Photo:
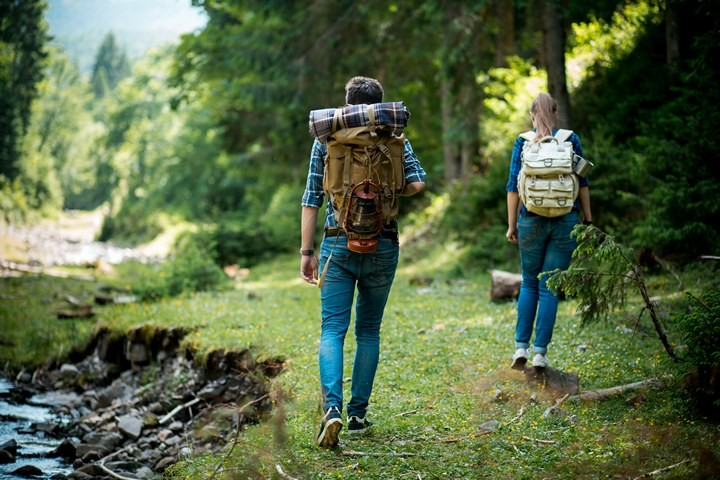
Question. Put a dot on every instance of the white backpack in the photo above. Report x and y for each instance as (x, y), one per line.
(547, 184)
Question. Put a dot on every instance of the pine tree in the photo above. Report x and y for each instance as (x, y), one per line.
(111, 66)
(22, 51)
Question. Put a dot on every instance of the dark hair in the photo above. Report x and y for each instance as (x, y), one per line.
(544, 109)
(363, 90)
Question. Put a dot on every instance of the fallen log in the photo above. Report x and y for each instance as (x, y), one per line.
(605, 393)
(504, 285)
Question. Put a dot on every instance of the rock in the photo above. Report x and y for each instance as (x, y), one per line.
(92, 470)
(490, 425)
(27, 471)
(58, 476)
(164, 462)
(6, 457)
(499, 396)
(130, 425)
(211, 391)
(65, 450)
(113, 392)
(551, 412)
(78, 475)
(10, 446)
(68, 370)
(83, 449)
(144, 473)
(164, 434)
(109, 440)
(174, 440)
(90, 457)
(175, 426)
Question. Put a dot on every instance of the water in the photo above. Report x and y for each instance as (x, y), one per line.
(15, 421)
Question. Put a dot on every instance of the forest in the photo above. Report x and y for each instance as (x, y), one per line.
(213, 131)
(206, 141)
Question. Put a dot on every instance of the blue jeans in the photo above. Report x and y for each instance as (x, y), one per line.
(545, 244)
(372, 274)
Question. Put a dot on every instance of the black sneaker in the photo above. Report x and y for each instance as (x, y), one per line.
(358, 425)
(330, 428)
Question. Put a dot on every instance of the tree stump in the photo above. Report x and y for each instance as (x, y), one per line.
(553, 379)
(505, 285)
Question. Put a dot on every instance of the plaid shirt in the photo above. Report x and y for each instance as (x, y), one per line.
(516, 165)
(391, 114)
(314, 193)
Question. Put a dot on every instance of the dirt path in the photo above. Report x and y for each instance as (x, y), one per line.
(67, 240)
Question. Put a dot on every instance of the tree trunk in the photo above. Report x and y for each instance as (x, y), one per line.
(505, 43)
(450, 143)
(672, 37)
(554, 59)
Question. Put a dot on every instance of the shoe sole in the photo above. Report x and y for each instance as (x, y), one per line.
(359, 431)
(519, 363)
(329, 435)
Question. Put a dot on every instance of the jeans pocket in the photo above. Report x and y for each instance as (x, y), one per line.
(382, 267)
(529, 235)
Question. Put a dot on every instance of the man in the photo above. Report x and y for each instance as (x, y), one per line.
(371, 274)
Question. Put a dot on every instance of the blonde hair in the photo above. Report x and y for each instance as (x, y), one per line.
(544, 110)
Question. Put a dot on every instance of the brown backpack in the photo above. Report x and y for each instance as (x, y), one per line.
(363, 179)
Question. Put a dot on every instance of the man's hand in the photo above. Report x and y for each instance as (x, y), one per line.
(309, 269)
(512, 234)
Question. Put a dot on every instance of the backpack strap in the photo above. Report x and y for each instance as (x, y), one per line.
(562, 135)
(337, 122)
(529, 135)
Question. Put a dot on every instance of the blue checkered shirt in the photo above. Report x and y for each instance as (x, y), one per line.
(516, 165)
(314, 194)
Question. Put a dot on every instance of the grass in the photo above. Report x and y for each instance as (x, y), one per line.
(445, 352)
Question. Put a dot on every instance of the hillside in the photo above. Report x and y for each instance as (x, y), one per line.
(80, 25)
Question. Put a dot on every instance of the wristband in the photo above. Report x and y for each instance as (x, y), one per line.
(587, 222)
(307, 253)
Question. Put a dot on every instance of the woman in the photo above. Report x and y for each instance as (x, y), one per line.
(545, 244)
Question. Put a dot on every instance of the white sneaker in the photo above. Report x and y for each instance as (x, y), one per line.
(540, 361)
(519, 359)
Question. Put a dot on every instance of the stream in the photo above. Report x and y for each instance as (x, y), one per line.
(17, 423)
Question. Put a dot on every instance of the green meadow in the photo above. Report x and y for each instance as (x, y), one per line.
(444, 373)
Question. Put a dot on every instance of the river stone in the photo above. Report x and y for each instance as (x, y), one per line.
(10, 446)
(131, 425)
(163, 463)
(113, 392)
(68, 370)
(109, 440)
(83, 449)
(66, 450)
(6, 457)
(27, 471)
(92, 470)
(78, 475)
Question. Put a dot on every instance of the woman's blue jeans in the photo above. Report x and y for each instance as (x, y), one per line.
(545, 244)
(372, 274)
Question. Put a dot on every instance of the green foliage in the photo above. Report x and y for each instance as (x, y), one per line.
(267, 227)
(23, 34)
(111, 66)
(192, 269)
(599, 275)
(14, 208)
(700, 328)
(650, 134)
